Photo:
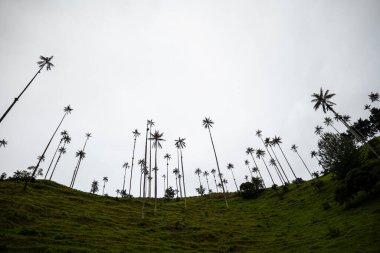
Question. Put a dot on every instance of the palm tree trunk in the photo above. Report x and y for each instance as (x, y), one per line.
(200, 184)
(233, 175)
(278, 161)
(155, 181)
(59, 157)
(141, 175)
(287, 161)
(180, 187)
(16, 99)
(262, 179)
(43, 154)
(267, 170)
(217, 164)
(275, 165)
(183, 178)
(78, 165)
(208, 186)
(143, 201)
(167, 174)
(133, 159)
(104, 186)
(55, 153)
(150, 165)
(304, 163)
(164, 186)
(125, 173)
(176, 183)
(216, 185)
(250, 172)
(335, 129)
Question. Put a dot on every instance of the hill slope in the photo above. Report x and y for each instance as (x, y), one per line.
(53, 218)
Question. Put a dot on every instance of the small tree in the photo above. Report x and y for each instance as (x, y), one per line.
(169, 193)
(94, 187)
(201, 190)
(251, 189)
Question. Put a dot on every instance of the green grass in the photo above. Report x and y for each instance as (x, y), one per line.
(53, 218)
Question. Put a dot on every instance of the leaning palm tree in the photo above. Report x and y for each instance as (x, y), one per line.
(213, 171)
(167, 157)
(67, 110)
(44, 61)
(294, 148)
(250, 151)
(62, 150)
(230, 167)
(180, 145)
(269, 143)
(313, 153)
(260, 154)
(206, 174)
(176, 172)
(323, 99)
(198, 172)
(318, 130)
(374, 97)
(105, 180)
(273, 163)
(246, 162)
(3, 143)
(63, 134)
(157, 138)
(151, 124)
(329, 122)
(135, 135)
(125, 167)
(81, 156)
(207, 123)
(277, 141)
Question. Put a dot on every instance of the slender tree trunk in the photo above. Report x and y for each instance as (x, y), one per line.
(335, 129)
(79, 162)
(19, 96)
(164, 186)
(183, 178)
(278, 161)
(104, 186)
(155, 181)
(141, 175)
(55, 153)
(233, 176)
(150, 164)
(268, 170)
(43, 154)
(208, 186)
(59, 157)
(217, 164)
(133, 159)
(167, 174)
(176, 183)
(200, 184)
(125, 173)
(304, 164)
(262, 179)
(250, 171)
(216, 185)
(287, 161)
(180, 187)
(144, 193)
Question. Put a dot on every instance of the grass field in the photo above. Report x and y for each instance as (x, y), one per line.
(53, 218)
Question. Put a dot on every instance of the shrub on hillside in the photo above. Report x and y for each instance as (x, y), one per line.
(169, 193)
(251, 189)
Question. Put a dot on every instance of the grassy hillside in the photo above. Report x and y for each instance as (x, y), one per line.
(53, 218)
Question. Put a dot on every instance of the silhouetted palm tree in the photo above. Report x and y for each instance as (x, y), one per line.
(145, 167)
(94, 187)
(105, 180)
(66, 110)
(198, 172)
(250, 151)
(3, 143)
(247, 163)
(207, 123)
(294, 148)
(374, 97)
(206, 174)
(176, 172)
(167, 157)
(230, 167)
(151, 123)
(63, 134)
(277, 141)
(318, 130)
(180, 145)
(62, 150)
(269, 143)
(367, 107)
(135, 135)
(44, 61)
(157, 138)
(213, 171)
(81, 156)
(260, 154)
(328, 122)
(125, 166)
(313, 153)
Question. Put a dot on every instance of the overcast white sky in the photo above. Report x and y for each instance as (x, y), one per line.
(247, 64)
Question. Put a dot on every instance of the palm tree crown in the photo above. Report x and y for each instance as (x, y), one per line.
(249, 151)
(81, 154)
(374, 96)
(313, 153)
(207, 122)
(230, 166)
(167, 156)
(180, 143)
(157, 137)
(323, 99)
(3, 142)
(136, 133)
(294, 148)
(198, 171)
(45, 61)
(318, 130)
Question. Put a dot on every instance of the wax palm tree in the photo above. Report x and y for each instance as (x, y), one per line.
(269, 143)
(230, 167)
(251, 151)
(246, 162)
(206, 174)
(81, 156)
(141, 162)
(176, 172)
(67, 110)
(63, 134)
(260, 154)
(125, 167)
(135, 135)
(294, 148)
(367, 107)
(374, 97)
(164, 177)
(318, 130)
(62, 151)
(323, 99)
(180, 145)
(277, 141)
(313, 153)
(207, 123)
(94, 187)
(157, 138)
(145, 166)
(198, 172)
(44, 61)
(328, 122)
(105, 180)
(151, 124)
(3, 143)
(213, 171)
(167, 157)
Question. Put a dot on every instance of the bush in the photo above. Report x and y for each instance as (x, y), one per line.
(169, 193)
(201, 190)
(285, 187)
(251, 189)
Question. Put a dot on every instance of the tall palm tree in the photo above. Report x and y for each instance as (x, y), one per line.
(213, 171)
(294, 148)
(135, 135)
(145, 167)
(81, 156)
(141, 162)
(230, 167)
(313, 153)
(329, 122)
(157, 138)
(176, 172)
(260, 154)
(318, 130)
(151, 124)
(250, 151)
(62, 150)
(198, 172)
(323, 99)
(206, 174)
(273, 163)
(207, 123)
(374, 97)
(167, 157)
(247, 163)
(105, 180)
(277, 141)
(3, 143)
(125, 167)
(63, 134)
(44, 61)
(180, 145)
(269, 143)
(67, 110)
